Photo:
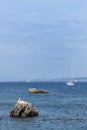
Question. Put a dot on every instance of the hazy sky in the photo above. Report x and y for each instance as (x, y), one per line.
(42, 39)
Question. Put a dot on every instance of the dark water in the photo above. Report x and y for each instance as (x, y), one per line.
(63, 108)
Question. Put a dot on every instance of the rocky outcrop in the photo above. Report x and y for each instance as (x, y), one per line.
(34, 90)
(23, 109)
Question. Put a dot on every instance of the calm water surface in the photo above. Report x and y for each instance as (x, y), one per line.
(63, 108)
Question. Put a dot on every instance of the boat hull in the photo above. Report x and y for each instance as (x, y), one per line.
(70, 83)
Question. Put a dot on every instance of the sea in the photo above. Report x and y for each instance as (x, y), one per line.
(63, 108)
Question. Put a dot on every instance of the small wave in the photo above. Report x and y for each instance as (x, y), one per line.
(2, 117)
(71, 119)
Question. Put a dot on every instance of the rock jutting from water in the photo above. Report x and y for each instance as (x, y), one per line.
(34, 90)
(24, 109)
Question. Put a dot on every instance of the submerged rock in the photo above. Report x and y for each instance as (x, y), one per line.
(34, 90)
(24, 109)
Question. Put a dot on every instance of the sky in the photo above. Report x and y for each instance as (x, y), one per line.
(42, 39)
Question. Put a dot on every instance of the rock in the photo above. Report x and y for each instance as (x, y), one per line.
(24, 109)
(34, 90)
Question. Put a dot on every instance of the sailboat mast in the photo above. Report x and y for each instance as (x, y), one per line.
(72, 73)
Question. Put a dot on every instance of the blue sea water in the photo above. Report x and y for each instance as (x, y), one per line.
(63, 108)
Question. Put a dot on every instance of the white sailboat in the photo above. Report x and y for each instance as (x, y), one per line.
(71, 82)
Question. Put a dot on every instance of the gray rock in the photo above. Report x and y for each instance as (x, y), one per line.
(34, 90)
(23, 109)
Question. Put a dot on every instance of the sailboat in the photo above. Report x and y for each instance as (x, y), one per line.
(70, 82)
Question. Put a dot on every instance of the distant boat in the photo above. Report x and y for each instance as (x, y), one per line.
(71, 82)
(28, 81)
